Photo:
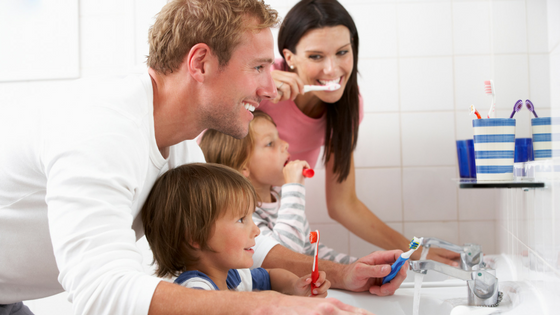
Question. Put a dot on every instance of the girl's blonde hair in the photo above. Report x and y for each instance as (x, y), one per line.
(182, 208)
(227, 150)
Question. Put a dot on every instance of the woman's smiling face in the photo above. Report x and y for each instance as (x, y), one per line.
(323, 56)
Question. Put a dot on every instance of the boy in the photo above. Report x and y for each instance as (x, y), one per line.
(198, 221)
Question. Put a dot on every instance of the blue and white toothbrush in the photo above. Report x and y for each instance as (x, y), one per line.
(396, 267)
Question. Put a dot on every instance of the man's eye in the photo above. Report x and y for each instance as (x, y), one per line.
(259, 68)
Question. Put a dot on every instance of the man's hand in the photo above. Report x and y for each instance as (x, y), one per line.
(366, 274)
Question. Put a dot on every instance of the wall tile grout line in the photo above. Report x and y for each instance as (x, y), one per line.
(544, 261)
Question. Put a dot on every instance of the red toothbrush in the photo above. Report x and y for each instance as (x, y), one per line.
(314, 239)
(308, 172)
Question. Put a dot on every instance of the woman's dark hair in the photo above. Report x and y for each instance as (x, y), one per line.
(341, 134)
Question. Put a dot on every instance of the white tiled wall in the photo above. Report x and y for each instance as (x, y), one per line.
(528, 221)
(422, 63)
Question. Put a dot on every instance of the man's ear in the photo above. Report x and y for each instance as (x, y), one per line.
(200, 61)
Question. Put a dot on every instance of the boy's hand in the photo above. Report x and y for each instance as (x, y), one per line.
(303, 286)
(293, 172)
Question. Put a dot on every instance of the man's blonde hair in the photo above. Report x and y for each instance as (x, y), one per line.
(181, 24)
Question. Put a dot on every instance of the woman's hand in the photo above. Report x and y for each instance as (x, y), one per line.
(302, 286)
(444, 256)
(293, 172)
(289, 85)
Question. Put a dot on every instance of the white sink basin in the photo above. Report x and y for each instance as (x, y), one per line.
(449, 297)
(398, 304)
(445, 300)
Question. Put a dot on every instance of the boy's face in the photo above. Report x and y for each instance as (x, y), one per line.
(270, 154)
(232, 241)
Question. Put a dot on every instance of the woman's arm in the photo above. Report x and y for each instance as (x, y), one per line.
(345, 207)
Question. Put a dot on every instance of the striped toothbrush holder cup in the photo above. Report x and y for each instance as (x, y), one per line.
(494, 148)
(546, 137)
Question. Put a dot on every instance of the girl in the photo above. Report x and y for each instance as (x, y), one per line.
(263, 158)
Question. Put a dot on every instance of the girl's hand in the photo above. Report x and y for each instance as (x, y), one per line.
(289, 85)
(303, 286)
(293, 172)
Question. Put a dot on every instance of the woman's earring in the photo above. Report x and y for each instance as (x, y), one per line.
(292, 67)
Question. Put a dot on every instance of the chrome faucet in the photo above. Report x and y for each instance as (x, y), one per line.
(471, 254)
(482, 284)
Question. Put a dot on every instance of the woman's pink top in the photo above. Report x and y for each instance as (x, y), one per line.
(304, 134)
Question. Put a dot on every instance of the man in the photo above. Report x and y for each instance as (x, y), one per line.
(77, 168)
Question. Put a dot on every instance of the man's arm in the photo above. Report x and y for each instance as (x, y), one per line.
(366, 274)
(170, 299)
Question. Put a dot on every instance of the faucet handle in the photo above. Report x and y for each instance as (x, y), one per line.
(471, 257)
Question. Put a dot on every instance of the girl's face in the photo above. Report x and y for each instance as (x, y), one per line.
(322, 56)
(269, 155)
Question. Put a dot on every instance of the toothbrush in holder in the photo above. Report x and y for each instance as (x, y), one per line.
(474, 111)
(530, 107)
(314, 238)
(517, 107)
(396, 267)
(491, 90)
(327, 87)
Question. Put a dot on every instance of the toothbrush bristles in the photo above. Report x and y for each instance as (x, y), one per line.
(488, 87)
(415, 242)
(313, 237)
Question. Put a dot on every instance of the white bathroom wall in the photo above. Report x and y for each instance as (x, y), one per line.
(422, 63)
(528, 221)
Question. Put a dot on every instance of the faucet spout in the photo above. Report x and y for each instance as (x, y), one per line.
(422, 266)
(483, 286)
(471, 254)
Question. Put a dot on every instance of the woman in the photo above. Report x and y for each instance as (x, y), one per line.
(319, 42)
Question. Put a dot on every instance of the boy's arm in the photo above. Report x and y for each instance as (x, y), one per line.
(173, 299)
(283, 281)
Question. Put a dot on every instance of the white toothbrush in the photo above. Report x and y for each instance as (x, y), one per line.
(327, 87)
(491, 90)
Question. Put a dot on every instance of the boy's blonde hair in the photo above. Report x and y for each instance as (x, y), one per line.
(183, 206)
(227, 150)
(181, 24)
